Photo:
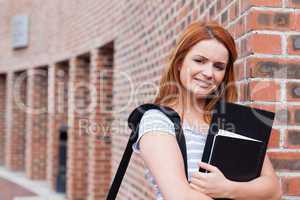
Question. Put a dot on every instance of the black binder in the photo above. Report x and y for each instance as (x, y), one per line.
(239, 158)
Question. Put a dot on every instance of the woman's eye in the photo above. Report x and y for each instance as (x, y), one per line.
(219, 67)
(199, 61)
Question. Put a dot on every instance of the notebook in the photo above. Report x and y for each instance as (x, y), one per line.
(231, 148)
(237, 140)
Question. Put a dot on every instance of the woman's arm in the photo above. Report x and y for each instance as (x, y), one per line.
(265, 187)
(162, 156)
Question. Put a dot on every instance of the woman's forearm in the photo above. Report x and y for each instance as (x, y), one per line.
(261, 188)
(192, 194)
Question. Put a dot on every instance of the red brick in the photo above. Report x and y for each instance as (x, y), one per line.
(273, 68)
(219, 5)
(297, 21)
(240, 27)
(246, 4)
(234, 11)
(274, 140)
(260, 91)
(195, 15)
(285, 161)
(293, 91)
(239, 71)
(182, 13)
(264, 43)
(291, 186)
(294, 44)
(292, 139)
(293, 3)
(294, 111)
(270, 20)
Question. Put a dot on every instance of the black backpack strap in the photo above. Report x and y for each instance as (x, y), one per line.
(133, 123)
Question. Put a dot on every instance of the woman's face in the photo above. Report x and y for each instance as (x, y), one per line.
(204, 67)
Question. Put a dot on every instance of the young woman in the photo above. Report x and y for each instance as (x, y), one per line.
(199, 73)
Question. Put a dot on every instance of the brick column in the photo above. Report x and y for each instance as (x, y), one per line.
(51, 139)
(8, 118)
(100, 123)
(36, 123)
(267, 73)
(2, 117)
(58, 115)
(269, 37)
(15, 121)
(78, 101)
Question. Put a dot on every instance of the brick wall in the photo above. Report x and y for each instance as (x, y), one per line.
(36, 123)
(15, 121)
(78, 101)
(57, 115)
(100, 122)
(133, 38)
(2, 118)
(270, 70)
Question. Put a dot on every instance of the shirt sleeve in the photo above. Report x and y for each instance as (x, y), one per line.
(153, 121)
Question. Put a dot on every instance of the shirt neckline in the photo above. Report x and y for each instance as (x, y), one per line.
(186, 125)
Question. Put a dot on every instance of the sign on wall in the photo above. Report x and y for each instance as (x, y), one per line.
(20, 31)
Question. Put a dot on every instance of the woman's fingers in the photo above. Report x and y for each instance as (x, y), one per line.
(195, 187)
(199, 175)
(208, 167)
(197, 182)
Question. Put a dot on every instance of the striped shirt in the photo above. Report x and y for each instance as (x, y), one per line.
(155, 120)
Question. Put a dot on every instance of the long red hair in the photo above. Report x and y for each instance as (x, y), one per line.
(169, 92)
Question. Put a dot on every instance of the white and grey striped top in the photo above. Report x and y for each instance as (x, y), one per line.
(155, 120)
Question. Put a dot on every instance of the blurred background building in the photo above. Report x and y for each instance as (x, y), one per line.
(59, 133)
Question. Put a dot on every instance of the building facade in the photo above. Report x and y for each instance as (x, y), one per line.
(71, 72)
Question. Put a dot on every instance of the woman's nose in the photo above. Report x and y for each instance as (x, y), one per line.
(208, 72)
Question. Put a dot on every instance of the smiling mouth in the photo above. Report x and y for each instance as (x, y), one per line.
(203, 83)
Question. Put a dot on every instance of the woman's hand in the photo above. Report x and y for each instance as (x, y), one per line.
(213, 184)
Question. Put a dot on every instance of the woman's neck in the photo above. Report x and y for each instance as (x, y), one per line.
(193, 105)
(193, 108)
